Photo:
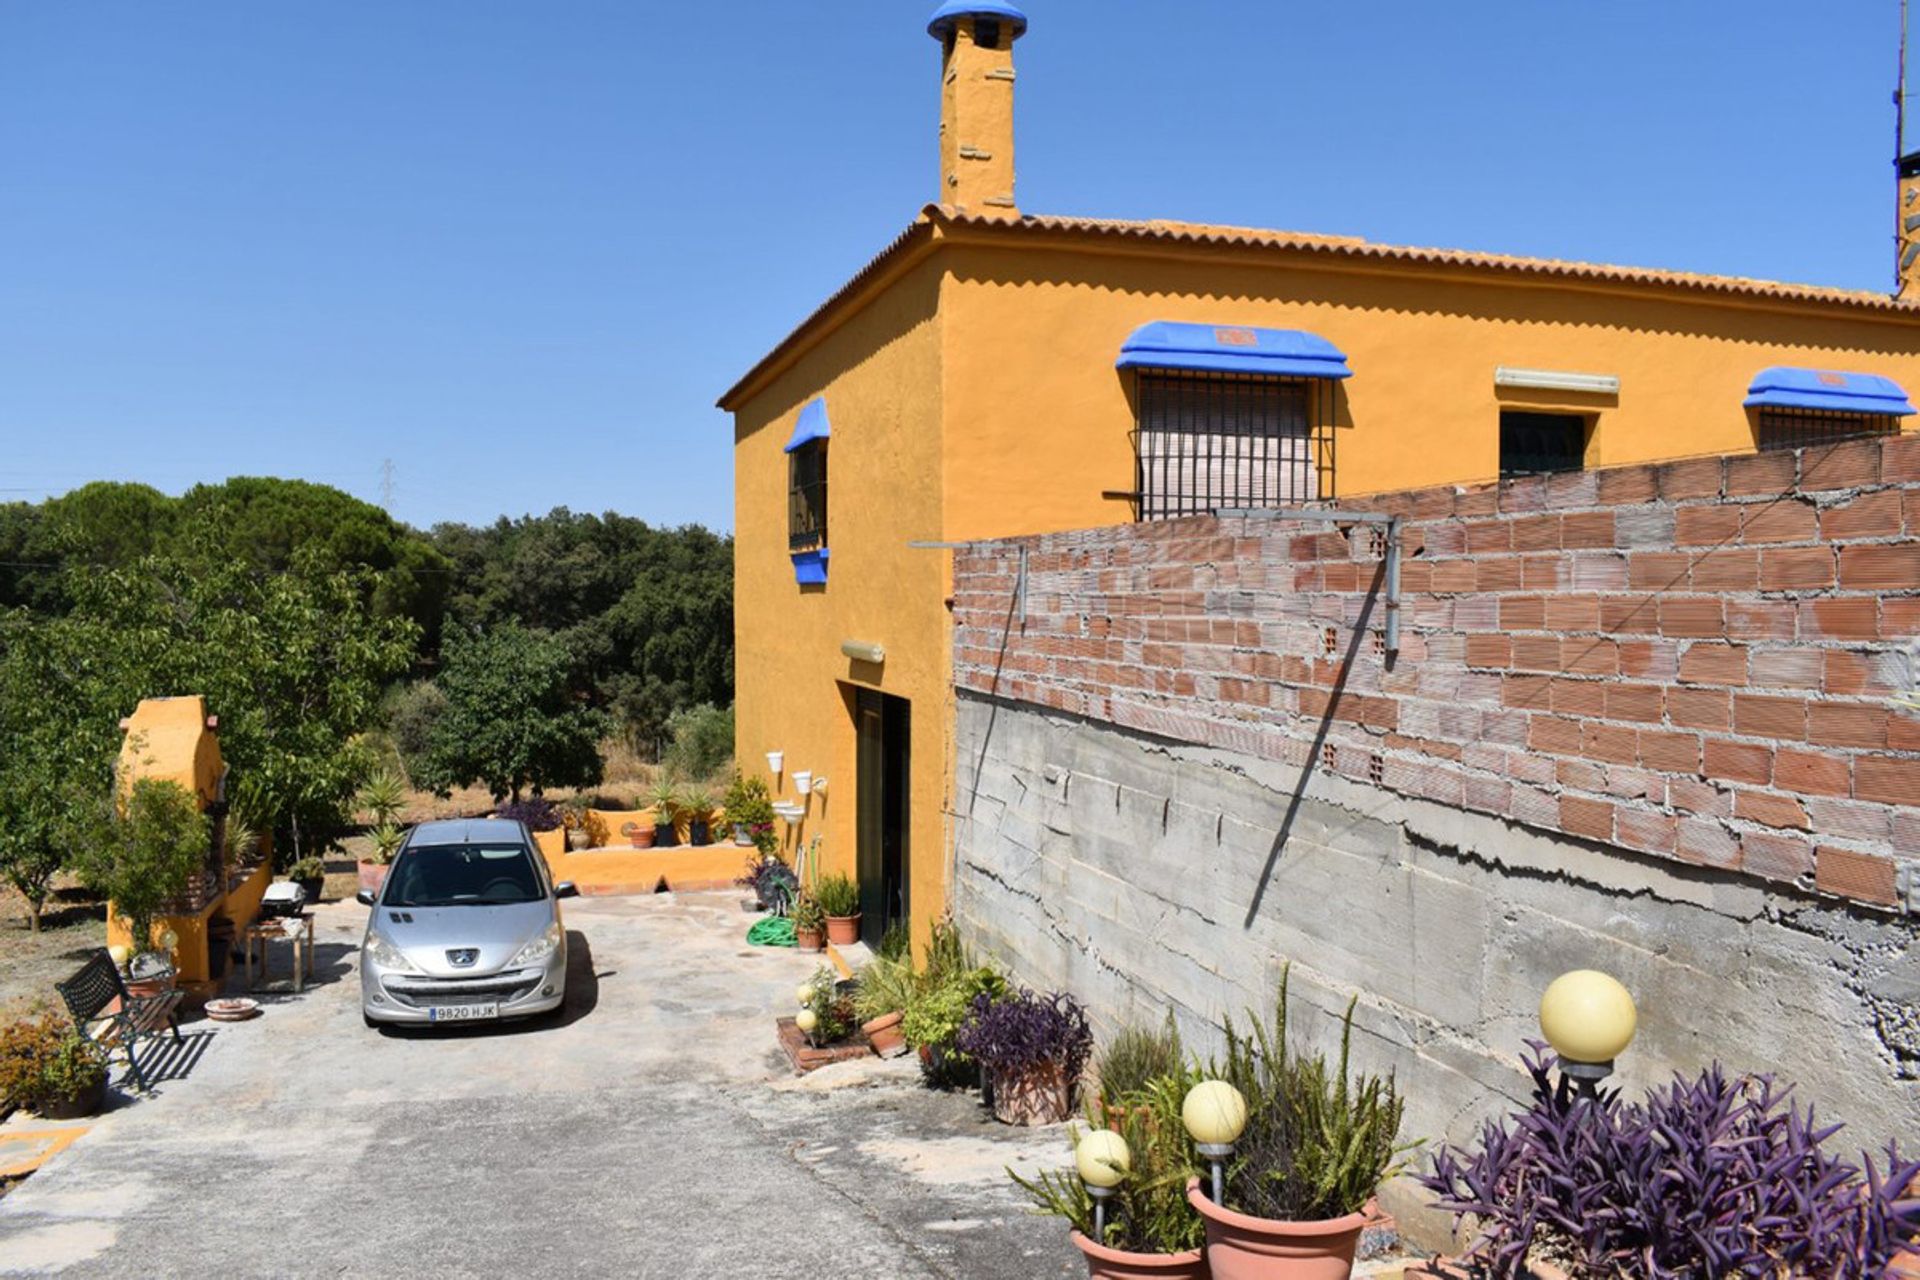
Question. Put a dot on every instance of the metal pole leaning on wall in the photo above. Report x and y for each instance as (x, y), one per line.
(1019, 582)
(1392, 524)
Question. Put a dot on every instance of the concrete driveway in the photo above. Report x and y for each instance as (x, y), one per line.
(650, 1129)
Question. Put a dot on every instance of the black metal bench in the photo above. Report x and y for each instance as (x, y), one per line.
(104, 1012)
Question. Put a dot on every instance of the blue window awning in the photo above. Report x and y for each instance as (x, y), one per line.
(810, 567)
(1210, 348)
(1785, 387)
(812, 424)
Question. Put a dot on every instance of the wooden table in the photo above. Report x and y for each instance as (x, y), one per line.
(295, 929)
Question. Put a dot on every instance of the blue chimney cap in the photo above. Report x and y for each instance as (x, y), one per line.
(945, 16)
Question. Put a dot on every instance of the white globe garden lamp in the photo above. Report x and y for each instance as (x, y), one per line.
(1589, 1019)
(1215, 1115)
(1103, 1162)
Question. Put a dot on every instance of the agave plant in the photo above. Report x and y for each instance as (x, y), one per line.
(1710, 1176)
(386, 840)
(382, 796)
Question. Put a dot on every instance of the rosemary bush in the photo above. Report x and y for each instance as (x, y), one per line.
(1136, 1056)
(1318, 1141)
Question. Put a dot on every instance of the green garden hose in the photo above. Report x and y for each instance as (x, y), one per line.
(771, 931)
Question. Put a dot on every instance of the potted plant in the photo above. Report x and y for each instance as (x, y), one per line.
(49, 1068)
(310, 873)
(382, 796)
(939, 1004)
(143, 855)
(639, 835)
(1713, 1175)
(1031, 1049)
(750, 810)
(839, 897)
(1317, 1144)
(809, 924)
(1131, 1061)
(382, 843)
(772, 881)
(832, 1017)
(880, 1002)
(665, 797)
(1151, 1231)
(698, 804)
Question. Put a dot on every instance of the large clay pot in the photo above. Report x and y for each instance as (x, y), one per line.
(1243, 1247)
(641, 837)
(884, 1034)
(1117, 1264)
(810, 939)
(372, 875)
(1042, 1095)
(843, 930)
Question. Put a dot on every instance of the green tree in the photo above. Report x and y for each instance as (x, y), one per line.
(145, 850)
(510, 720)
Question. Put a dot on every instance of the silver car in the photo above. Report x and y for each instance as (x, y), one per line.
(465, 928)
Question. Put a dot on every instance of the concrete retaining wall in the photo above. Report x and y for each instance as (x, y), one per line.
(1143, 873)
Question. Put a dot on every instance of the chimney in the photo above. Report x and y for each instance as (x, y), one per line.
(976, 104)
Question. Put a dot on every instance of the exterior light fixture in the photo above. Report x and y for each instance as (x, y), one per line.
(1602, 384)
(169, 940)
(119, 953)
(776, 760)
(1103, 1161)
(1589, 1019)
(864, 651)
(806, 1021)
(819, 784)
(804, 994)
(1215, 1114)
(802, 781)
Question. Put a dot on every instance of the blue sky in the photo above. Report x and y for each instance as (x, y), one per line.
(518, 248)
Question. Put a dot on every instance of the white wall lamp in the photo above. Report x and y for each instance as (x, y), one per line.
(1599, 384)
(863, 651)
(820, 786)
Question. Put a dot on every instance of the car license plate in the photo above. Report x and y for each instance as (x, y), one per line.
(462, 1012)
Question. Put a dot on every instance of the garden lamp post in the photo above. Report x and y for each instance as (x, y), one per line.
(1589, 1019)
(1215, 1114)
(1104, 1162)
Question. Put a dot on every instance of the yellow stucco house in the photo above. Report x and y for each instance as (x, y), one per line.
(994, 373)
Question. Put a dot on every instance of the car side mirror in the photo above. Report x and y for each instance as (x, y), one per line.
(364, 897)
(566, 889)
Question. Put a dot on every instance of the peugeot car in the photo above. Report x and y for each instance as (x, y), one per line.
(466, 928)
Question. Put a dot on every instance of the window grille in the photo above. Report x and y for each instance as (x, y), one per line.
(807, 496)
(1209, 441)
(1796, 428)
(1531, 443)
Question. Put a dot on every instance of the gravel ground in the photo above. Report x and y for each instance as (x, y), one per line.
(650, 1129)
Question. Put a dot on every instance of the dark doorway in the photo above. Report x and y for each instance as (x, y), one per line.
(885, 725)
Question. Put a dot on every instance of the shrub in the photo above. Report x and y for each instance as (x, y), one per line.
(1136, 1056)
(886, 986)
(702, 740)
(145, 854)
(539, 813)
(1148, 1212)
(310, 867)
(412, 711)
(938, 1008)
(43, 1059)
(749, 805)
(1318, 1142)
(897, 944)
(833, 1012)
(1709, 1176)
(838, 895)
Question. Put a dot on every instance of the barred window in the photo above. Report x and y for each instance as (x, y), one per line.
(1531, 443)
(1783, 428)
(807, 496)
(1208, 441)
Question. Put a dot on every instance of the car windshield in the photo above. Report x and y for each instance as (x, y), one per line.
(461, 875)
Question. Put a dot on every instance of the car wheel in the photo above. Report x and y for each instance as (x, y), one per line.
(368, 1019)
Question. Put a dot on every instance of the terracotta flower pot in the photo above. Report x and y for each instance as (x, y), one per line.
(372, 875)
(1117, 1264)
(1041, 1095)
(843, 930)
(1243, 1247)
(641, 838)
(810, 939)
(885, 1035)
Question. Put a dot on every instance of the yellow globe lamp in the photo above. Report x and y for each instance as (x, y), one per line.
(806, 1021)
(804, 993)
(1587, 1016)
(1214, 1113)
(169, 940)
(118, 953)
(1103, 1159)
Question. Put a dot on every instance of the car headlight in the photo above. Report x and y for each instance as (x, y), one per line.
(539, 947)
(383, 952)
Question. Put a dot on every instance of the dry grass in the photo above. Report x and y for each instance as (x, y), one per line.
(74, 923)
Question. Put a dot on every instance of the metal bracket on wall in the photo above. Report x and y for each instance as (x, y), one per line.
(1392, 524)
(1020, 579)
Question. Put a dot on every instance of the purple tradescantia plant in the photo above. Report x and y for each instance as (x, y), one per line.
(1017, 1032)
(1709, 1177)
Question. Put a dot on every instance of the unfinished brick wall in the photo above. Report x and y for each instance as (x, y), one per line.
(1695, 660)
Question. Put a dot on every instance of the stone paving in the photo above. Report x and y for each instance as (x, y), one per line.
(651, 1129)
